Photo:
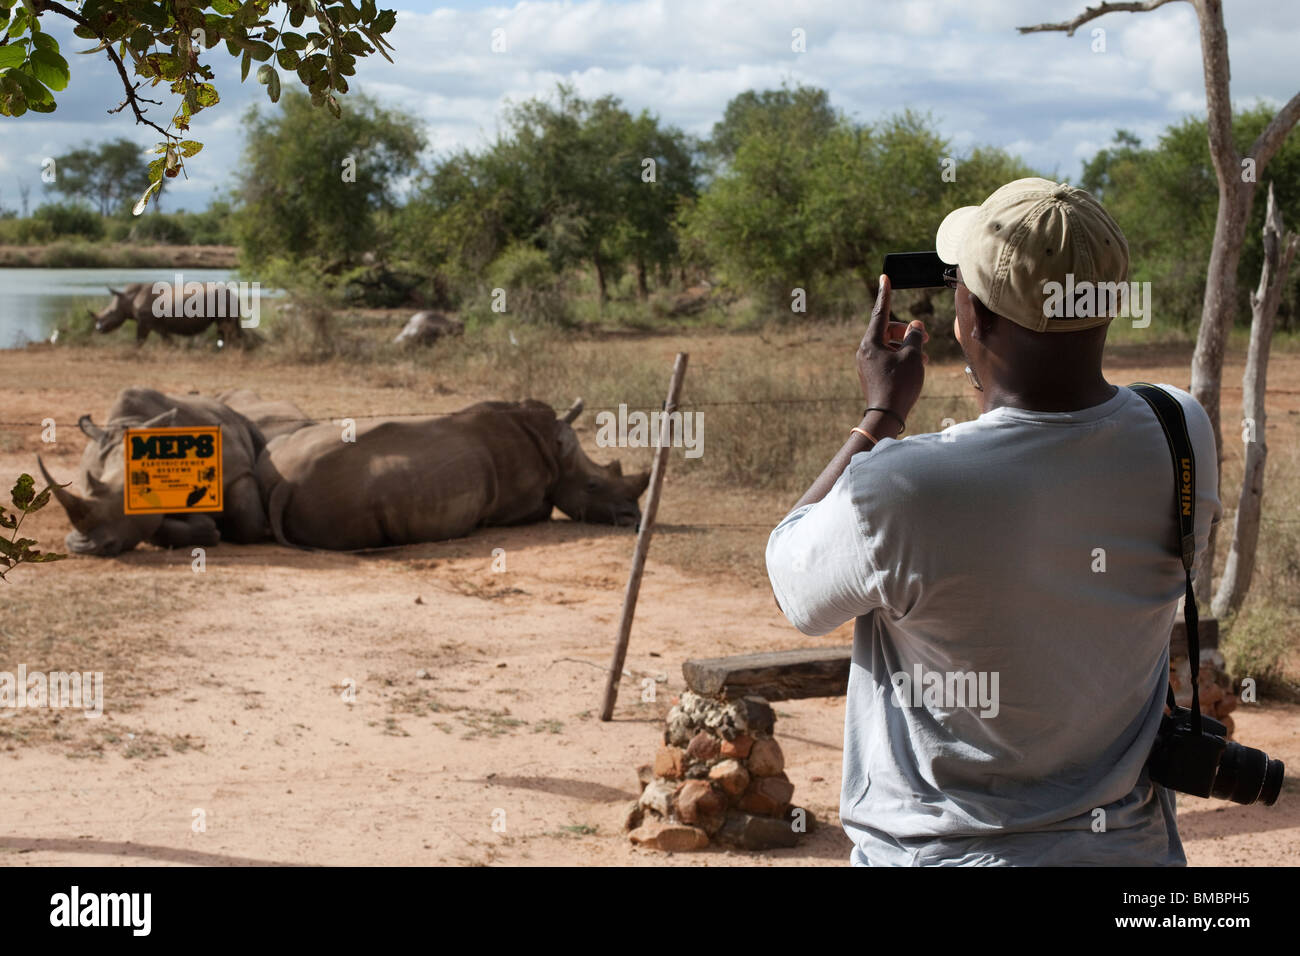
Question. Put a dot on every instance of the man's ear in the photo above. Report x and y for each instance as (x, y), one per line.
(985, 321)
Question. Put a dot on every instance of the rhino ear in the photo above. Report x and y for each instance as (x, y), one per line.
(574, 411)
(616, 467)
(638, 484)
(113, 292)
(90, 429)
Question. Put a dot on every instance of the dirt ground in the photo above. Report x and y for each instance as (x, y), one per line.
(227, 737)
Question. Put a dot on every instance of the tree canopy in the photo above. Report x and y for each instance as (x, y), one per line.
(318, 190)
(168, 42)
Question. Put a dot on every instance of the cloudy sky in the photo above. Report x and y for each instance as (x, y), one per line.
(1049, 98)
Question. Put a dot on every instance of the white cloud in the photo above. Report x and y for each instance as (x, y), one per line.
(1045, 96)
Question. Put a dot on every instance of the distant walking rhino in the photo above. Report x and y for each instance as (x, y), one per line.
(429, 479)
(168, 313)
(103, 528)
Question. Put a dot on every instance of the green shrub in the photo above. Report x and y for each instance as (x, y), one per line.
(165, 229)
(533, 292)
(69, 219)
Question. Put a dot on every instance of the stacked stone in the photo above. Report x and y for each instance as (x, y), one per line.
(1214, 685)
(719, 776)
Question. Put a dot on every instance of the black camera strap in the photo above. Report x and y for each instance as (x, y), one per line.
(1169, 412)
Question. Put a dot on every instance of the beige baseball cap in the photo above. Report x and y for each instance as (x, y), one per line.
(1029, 234)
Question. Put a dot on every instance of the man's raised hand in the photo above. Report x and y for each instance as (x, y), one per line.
(891, 359)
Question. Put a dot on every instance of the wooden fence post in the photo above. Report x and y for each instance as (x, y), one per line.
(643, 540)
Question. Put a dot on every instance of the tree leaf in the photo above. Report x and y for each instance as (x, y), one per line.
(50, 68)
(143, 201)
(11, 55)
(206, 94)
(267, 74)
(44, 41)
(39, 502)
(24, 490)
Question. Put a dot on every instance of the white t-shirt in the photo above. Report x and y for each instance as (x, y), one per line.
(1014, 584)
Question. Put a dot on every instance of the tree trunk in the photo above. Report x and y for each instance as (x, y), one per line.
(1236, 193)
(600, 280)
(1240, 566)
(642, 290)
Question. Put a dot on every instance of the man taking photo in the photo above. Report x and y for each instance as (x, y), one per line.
(1010, 578)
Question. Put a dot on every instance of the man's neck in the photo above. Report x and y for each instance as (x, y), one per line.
(1053, 398)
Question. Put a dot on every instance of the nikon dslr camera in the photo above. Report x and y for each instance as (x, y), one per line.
(1206, 764)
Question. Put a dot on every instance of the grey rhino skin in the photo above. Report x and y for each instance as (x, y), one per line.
(272, 417)
(103, 528)
(425, 328)
(220, 305)
(430, 479)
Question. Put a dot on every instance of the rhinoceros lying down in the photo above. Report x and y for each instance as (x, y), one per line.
(429, 479)
(273, 418)
(102, 528)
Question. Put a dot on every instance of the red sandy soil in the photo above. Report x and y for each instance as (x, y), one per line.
(225, 689)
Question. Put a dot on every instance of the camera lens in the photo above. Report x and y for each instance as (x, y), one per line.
(1246, 775)
(1272, 788)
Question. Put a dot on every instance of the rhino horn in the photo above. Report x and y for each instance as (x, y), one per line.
(574, 411)
(79, 510)
(638, 484)
(90, 429)
(616, 467)
(112, 291)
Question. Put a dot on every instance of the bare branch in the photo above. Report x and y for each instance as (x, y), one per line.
(1275, 132)
(1092, 13)
(131, 98)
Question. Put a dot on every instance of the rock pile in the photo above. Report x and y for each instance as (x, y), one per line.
(1215, 686)
(720, 777)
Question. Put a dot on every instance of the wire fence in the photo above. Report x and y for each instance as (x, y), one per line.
(658, 404)
(847, 399)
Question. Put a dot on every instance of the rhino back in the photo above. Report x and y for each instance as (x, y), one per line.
(272, 417)
(400, 482)
(158, 305)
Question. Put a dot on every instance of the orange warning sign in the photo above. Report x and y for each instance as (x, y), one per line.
(170, 470)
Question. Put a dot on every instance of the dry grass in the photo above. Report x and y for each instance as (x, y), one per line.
(774, 404)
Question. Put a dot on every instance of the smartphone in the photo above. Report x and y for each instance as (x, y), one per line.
(914, 270)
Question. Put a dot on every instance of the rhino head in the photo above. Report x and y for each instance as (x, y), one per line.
(586, 491)
(101, 526)
(117, 312)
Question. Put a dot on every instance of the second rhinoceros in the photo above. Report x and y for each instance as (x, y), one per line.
(404, 481)
(172, 309)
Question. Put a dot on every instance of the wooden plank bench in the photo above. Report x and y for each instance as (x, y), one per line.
(824, 671)
(776, 675)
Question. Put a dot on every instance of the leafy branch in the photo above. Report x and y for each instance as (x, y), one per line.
(163, 40)
(15, 550)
